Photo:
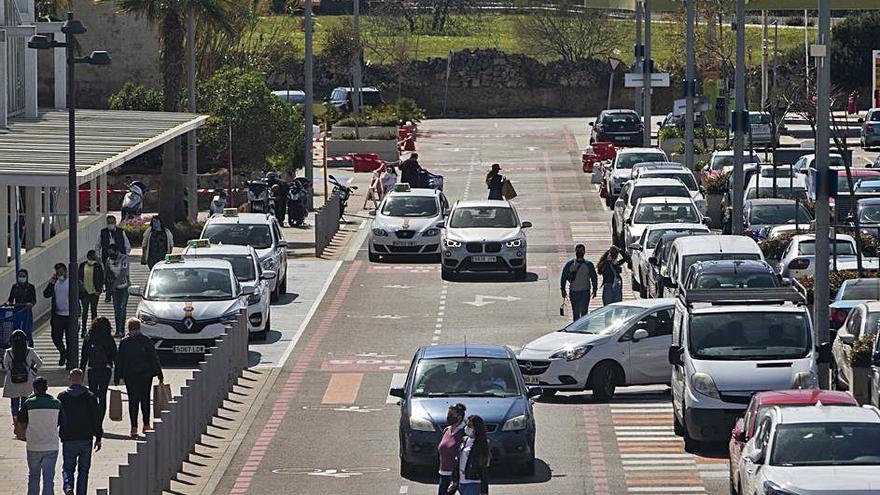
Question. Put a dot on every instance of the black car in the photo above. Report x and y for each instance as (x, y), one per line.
(621, 127)
(343, 98)
(672, 120)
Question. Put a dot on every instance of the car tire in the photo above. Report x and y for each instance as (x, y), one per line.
(374, 258)
(520, 274)
(447, 274)
(406, 469)
(528, 469)
(282, 288)
(602, 381)
(548, 393)
(677, 427)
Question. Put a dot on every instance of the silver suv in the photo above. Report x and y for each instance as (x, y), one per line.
(869, 136)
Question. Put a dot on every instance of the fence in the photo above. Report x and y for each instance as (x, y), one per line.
(159, 458)
(326, 223)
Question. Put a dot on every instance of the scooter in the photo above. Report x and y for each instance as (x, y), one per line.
(218, 202)
(297, 201)
(258, 196)
(133, 202)
(345, 193)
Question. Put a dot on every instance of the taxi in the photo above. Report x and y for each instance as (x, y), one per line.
(407, 222)
(258, 230)
(187, 303)
(246, 267)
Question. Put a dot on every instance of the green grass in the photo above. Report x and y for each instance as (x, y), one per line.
(498, 33)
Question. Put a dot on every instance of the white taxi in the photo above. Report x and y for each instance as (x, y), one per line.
(246, 267)
(258, 230)
(407, 222)
(187, 303)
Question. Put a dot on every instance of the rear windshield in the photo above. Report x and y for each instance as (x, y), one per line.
(727, 161)
(875, 116)
(686, 179)
(657, 191)
(689, 260)
(620, 119)
(826, 444)
(781, 193)
(735, 281)
(808, 248)
(627, 160)
(371, 98)
(663, 213)
(865, 289)
(778, 214)
(871, 186)
(759, 118)
(655, 235)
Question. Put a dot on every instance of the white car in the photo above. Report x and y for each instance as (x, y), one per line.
(618, 345)
(407, 221)
(644, 249)
(863, 320)
(246, 267)
(722, 161)
(258, 230)
(632, 192)
(187, 303)
(684, 176)
(779, 171)
(799, 258)
(806, 162)
(786, 187)
(815, 450)
(620, 170)
(661, 209)
(484, 236)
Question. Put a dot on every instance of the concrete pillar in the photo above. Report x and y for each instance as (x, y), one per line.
(3, 89)
(61, 210)
(30, 83)
(5, 222)
(47, 212)
(105, 195)
(60, 68)
(93, 195)
(32, 218)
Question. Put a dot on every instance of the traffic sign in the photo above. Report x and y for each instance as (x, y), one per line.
(636, 80)
(701, 104)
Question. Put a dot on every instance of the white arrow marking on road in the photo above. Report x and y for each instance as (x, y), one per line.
(374, 355)
(388, 317)
(355, 409)
(481, 300)
(334, 473)
(399, 286)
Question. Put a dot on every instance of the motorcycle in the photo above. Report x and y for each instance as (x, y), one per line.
(218, 202)
(133, 202)
(259, 199)
(345, 193)
(297, 201)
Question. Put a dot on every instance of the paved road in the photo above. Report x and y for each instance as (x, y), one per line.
(328, 425)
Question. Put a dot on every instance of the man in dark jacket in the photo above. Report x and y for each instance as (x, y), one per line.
(58, 290)
(112, 235)
(91, 284)
(409, 170)
(81, 424)
(582, 279)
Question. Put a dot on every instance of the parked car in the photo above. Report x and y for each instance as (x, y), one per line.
(868, 212)
(620, 170)
(684, 176)
(786, 188)
(594, 353)
(875, 374)
(759, 215)
(687, 251)
(661, 209)
(806, 162)
(745, 427)
(816, 450)
(798, 259)
(851, 293)
(292, 96)
(731, 274)
(487, 380)
(343, 98)
(678, 121)
(869, 136)
(760, 131)
(722, 161)
(655, 271)
(867, 186)
(863, 320)
(858, 175)
(619, 126)
(642, 250)
(632, 192)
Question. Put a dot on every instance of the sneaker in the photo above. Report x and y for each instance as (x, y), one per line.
(62, 361)
(147, 428)
(68, 490)
(134, 432)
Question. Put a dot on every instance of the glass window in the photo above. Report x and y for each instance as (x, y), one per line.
(826, 444)
(808, 248)
(257, 236)
(657, 324)
(868, 186)
(689, 260)
(483, 217)
(686, 179)
(666, 213)
(640, 192)
(410, 206)
(655, 235)
(781, 192)
(371, 98)
(869, 214)
(621, 119)
(470, 377)
(191, 284)
(604, 321)
(778, 214)
(749, 336)
(627, 160)
(855, 323)
(727, 161)
(736, 281)
(243, 266)
(865, 289)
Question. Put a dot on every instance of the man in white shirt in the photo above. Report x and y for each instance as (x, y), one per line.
(58, 290)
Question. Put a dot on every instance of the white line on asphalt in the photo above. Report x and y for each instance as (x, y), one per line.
(620, 428)
(658, 468)
(404, 489)
(656, 456)
(636, 405)
(309, 315)
(397, 381)
(716, 475)
(648, 439)
(630, 433)
(712, 467)
(641, 411)
(666, 489)
(663, 462)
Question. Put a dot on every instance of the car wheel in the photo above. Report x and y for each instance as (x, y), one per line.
(374, 258)
(602, 382)
(548, 393)
(264, 333)
(528, 469)
(677, 427)
(406, 469)
(447, 274)
(283, 286)
(276, 294)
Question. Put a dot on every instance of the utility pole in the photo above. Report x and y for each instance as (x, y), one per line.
(356, 75)
(639, 52)
(822, 52)
(192, 170)
(764, 42)
(646, 74)
(310, 99)
(739, 120)
(690, 84)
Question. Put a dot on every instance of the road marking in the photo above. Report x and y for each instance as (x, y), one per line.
(398, 380)
(343, 388)
(398, 286)
(481, 300)
(403, 489)
(388, 317)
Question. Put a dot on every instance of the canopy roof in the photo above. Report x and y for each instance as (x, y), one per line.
(674, 5)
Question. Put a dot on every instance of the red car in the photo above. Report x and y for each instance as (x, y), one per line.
(745, 426)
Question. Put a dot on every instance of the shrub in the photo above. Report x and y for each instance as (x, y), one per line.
(408, 110)
(836, 279)
(134, 229)
(717, 182)
(862, 349)
(136, 97)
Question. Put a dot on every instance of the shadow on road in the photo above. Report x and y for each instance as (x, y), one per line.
(498, 475)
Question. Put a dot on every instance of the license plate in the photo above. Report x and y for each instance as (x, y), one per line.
(622, 138)
(403, 243)
(189, 349)
(483, 259)
(531, 379)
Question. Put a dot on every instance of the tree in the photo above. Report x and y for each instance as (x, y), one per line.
(340, 46)
(852, 41)
(566, 34)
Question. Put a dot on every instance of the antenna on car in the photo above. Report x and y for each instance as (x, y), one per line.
(465, 346)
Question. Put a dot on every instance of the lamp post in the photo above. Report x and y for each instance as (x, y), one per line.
(71, 28)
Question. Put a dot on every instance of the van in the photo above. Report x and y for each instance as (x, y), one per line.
(728, 344)
(686, 251)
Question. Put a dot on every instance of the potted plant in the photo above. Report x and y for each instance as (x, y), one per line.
(670, 138)
(716, 185)
(860, 364)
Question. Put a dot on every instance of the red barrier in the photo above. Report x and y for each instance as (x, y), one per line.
(365, 162)
(589, 160)
(604, 150)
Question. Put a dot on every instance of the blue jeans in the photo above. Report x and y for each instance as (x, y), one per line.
(16, 405)
(77, 456)
(612, 293)
(580, 302)
(120, 302)
(41, 463)
(469, 489)
(443, 487)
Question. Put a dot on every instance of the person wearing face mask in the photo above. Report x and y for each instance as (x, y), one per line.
(91, 284)
(447, 449)
(112, 235)
(157, 243)
(580, 274)
(470, 476)
(118, 281)
(58, 290)
(24, 294)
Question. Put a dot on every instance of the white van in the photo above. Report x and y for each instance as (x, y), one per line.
(728, 344)
(686, 251)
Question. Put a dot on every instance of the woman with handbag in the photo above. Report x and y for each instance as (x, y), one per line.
(21, 364)
(495, 182)
(470, 477)
(98, 355)
(609, 267)
(137, 363)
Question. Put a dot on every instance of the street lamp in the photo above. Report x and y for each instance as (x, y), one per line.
(71, 28)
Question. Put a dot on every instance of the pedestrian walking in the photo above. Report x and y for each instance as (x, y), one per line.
(21, 363)
(495, 182)
(157, 242)
(80, 428)
(447, 449)
(609, 267)
(98, 356)
(91, 285)
(583, 282)
(118, 281)
(471, 474)
(112, 235)
(24, 294)
(409, 170)
(137, 363)
(63, 336)
(42, 414)
(388, 178)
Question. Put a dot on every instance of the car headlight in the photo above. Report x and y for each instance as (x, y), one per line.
(805, 379)
(515, 423)
(432, 232)
(255, 297)
(147, 318)
(572, 353)
(268, 264)
(380, 232)
(451, 243)
(704, 384)
(420, 424)
(514, 243)
(229, 318)
(771, 488)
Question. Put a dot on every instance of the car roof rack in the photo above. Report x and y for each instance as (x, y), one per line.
(770, 295)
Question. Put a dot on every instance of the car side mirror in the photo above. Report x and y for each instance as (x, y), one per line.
(635, 246)
(248, 290)
(397, 392)
(440, 225)
(372, 213)
(757, 457)
(136, 290)
(875, 358)
(534, 392)
(739, 432)
(268, 275)
(526, 225)
(786, 281)
(640, 334)
(846, 337)
(591, 124)
(860, 120)
(628, 221)
(282, 243)
(675, 355)
(653, 260)
(705, 220)
(825, 356)
(849, 219)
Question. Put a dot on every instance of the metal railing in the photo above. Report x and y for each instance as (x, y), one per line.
(326, 223)
(157, 460)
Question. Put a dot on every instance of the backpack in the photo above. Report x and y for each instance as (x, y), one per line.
(19, 372)
(97, 356)
(573, 273)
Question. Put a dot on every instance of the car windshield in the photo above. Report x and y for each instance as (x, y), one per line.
(666, 213)
(780, 172)
(867, 288)
(239, 234)
(657, 191)
(759, 118)
(465, 377)
(721, 161)
(869, 214)
(655, 235)
(826, 444)
(410, 206)
(781, 192)
(808, 248)
(868, 186)
(621, 119)
(242, 265)
(604, 321)
(778, 214)
(371, 98)
(735, 281)
(483, 217)
(689, 260)
(191, 284)
(748, 336)
(627, 160)
(686, 179)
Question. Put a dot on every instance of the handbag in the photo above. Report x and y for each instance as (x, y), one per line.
(603, 190)
(161, 398)
(115, 404)
(507, 190)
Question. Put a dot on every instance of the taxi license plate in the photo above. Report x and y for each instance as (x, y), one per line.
(188, 349)
(531, 379)
(483, 259)
(403, 243)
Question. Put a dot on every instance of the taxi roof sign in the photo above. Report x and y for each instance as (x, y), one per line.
(402, 187)
(173, 258)
(199, 243)
(230, 212)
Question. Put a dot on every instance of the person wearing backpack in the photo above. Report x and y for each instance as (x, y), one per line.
(21, 364)
(98, 355)
(137, 363)
(582, 279)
